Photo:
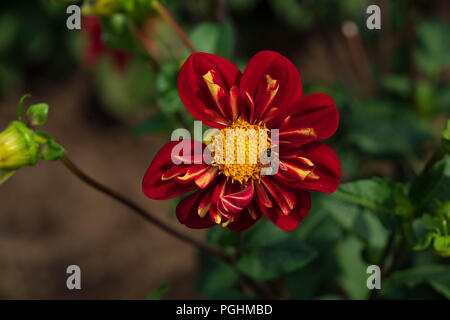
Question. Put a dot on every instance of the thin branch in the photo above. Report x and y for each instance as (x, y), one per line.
(165, 14)
(259, 289)
(142, 212)
(386, 252)
(398, 256)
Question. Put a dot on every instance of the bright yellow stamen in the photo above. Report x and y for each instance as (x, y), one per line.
(243, 163)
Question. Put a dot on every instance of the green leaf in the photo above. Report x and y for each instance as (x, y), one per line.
(124, 93)
(225, 45)
(156, 123)
(49, 150)
(20, 105)
(393, 129)
(437, 276)
(295, 14)
(353, 274)
(269, 253)
(117, 33)
(426, 97)
(361, 222)
(216, 38)
(424, 242)
(397, 84)
(139, 10)
(218, 280)
(434, 184)
(385, 198)
(225, 239)
(37, 114)
(158, 293)
(433, 55)
(375, 194)
(441, 245)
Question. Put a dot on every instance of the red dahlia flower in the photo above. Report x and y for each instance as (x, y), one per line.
(268, 95)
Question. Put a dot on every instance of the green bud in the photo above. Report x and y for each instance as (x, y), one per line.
(37, 114)
(17, 149)
(17, 146)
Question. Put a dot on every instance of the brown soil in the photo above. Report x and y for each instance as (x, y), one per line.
(50, 220)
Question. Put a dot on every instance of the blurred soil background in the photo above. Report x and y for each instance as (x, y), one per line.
(50, 220)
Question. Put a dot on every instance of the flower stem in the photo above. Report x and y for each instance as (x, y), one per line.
(165, 14)
(386, 252)
(142, 212)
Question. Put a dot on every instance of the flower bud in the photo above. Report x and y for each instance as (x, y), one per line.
(103, 8)
(17, 147)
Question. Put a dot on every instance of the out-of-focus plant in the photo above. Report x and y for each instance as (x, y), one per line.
(48, 50)
(399, 221)
(21, 145)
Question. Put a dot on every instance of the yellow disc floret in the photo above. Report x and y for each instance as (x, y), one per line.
(238, 150)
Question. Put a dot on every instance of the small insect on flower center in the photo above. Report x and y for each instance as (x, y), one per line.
(240, 151)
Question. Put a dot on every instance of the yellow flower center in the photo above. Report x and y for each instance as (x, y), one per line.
(239, 149)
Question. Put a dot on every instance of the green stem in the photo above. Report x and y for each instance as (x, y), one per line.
(386, 252)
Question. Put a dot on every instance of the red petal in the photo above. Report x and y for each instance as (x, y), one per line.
(161, 181)
(270, 80)
(290, 221)
(234, 102)
(204, 84)
(244, 221)
(283, 196)
(219, 190)
(303, 205)
(206, 177)
(324, 176)
(192, 172)
(311, 118)
(262, 195)
(236, 202)
(187, 210)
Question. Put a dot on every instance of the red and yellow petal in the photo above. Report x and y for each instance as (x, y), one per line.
(314, 167)
(204, 84)
(165, 180)
(270, 80)
(303, 205)
(311, 118)
(289, 221)
(247, 218)
(232, 203)
(282, 196)
(188, 210)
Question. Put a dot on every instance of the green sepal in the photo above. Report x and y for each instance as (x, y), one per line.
(48, 149)
(5, 174)
(37, 114)
(20, 105)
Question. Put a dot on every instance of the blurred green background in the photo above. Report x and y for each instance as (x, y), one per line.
(391, 87)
